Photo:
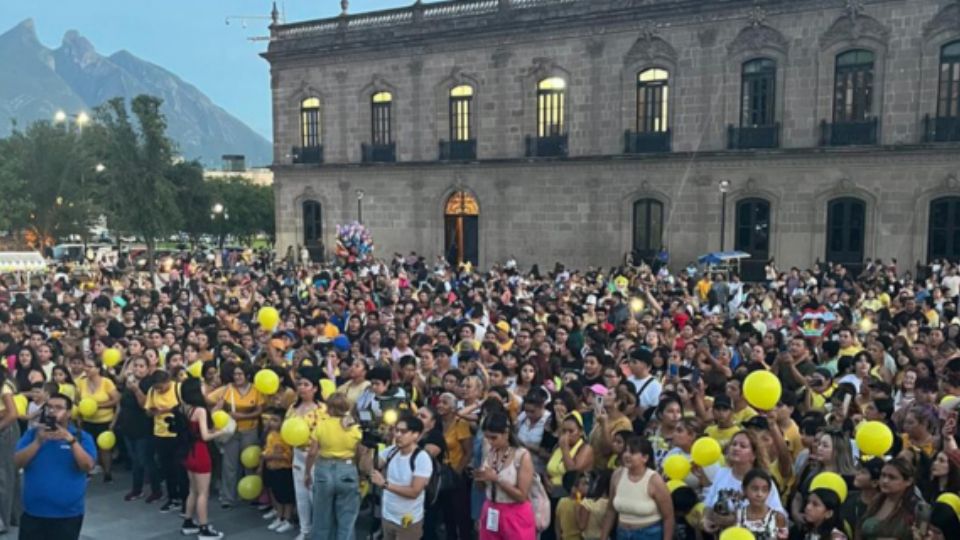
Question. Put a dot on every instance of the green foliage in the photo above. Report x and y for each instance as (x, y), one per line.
(249, 207)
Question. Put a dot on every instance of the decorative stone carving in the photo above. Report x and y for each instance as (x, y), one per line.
(501, 57)
(758, 16)
(304, 91)
(756, 38)
(545, 67)
(750, 187)
(951, 182)
(650, 47)
(853, 26)
(947, 20)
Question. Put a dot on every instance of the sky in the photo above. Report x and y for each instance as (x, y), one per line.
(187, 37)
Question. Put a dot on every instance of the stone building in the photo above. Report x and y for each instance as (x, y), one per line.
(581, 130)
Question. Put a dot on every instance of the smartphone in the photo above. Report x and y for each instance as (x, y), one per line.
(598, 403)
(674, 370)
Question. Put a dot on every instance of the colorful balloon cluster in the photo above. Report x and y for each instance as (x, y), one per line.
(354, 243)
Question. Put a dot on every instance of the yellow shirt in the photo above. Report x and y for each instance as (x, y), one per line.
(100, 394)
(353, 391)
(567, 520)
(164, 400)
(68, 390)
(555, 467)
(275, 445)
(335, 441)
(312, 417)
(453, 435)
(741, 416)
(597, 508)
(722, 435)
(235, 402)
(6, 389)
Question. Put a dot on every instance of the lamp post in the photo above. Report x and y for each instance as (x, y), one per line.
(359, 194)
(80, 119)
(220, 214)
(724, 188)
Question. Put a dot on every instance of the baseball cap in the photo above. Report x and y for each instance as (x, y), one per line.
(722, 402)
(599, 389)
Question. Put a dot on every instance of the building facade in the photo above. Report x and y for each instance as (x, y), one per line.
(582, 130)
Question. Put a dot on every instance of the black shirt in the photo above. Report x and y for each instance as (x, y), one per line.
(434, 437)
(133, 420)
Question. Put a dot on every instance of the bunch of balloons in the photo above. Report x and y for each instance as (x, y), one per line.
(354, 243)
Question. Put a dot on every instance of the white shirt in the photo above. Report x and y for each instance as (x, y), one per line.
(729, 490)
(649, 396)
(399, 473)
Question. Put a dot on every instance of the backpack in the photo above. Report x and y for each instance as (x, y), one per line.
(539, 500)
(435, 484)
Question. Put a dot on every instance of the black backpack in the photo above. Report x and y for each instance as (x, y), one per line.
(441, 479)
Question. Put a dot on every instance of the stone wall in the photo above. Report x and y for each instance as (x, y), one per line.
(579, 210)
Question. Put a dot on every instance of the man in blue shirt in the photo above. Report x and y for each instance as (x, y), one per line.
(55, 458)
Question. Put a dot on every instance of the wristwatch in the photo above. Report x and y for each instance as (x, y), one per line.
(72, 441)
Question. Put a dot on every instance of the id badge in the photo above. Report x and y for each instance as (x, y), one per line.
(493, 520)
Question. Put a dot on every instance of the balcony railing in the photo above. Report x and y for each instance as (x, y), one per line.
(379, 153)
(753, 137)
(646, 142)
(552, 146)
(849, 133)
(941, 129)
(307, 154)
(458, 150)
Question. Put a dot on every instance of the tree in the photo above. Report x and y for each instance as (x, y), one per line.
(137, 193)
(250, 208)
(193, 199)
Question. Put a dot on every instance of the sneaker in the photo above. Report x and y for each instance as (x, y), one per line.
(154, 497)
(263, 507)
(226, 505)
(189, 527)
(132, 496)
(270, 515)
(301, 536)
(168, 506)
(96, 470)
(284, 527)
(207, 531)
(276, 523)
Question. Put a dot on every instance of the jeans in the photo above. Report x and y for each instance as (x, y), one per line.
(303, 494)
(34, 528)
(172, 470)
(141, 452)
(336, 499)
(653, 532)
(230, 469)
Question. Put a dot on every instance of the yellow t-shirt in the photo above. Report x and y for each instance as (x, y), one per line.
(6, 389)
(555, 467)
(282, 399)
(164, 400)
(275, 444)
(335, 441)
(235, 402)
(312, 417)
(459, 431)
(597, 509)
(101, 394)
(353, 391)
(741, 416)
(722, 435)
(792, 437)
(567, 520)
(69, 390)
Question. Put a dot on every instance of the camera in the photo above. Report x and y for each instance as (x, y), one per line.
(48, 420)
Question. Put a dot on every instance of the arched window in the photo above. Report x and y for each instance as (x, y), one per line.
(753, 228)
(758, 92)
(312, 225)
(381, 107)
(846, 227)
(647, 228)
(461, 113)
(853, 86)
(551, 93)
(944, 235)
(948, 104)
(653, 100)
(310, 122)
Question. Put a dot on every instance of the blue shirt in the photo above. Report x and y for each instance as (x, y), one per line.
(53, 485)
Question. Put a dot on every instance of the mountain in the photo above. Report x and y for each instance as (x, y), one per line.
(35, 82)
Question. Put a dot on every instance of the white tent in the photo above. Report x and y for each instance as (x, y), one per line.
(22, 261)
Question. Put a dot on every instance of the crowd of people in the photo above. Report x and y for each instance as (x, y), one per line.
(438, 401)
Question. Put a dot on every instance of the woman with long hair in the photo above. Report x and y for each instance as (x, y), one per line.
(640, 503)
(432, 442)
(459, 445)
(944, 473)
(725, 495)
(244, 404)
(611, 418)
(528, 378)
(892, 513)
(197, 462)
(332, 458)
(506, 475)
(102, 390)
(61, 376)
(832, 453)
(27, 361)
(308, 407)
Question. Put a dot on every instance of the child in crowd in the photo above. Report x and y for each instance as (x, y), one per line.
(821, 516)
(724, 428)
(276, 468)
(566, 523)
(617, 445)
(40, 393)
(593, 506)
(764, 522)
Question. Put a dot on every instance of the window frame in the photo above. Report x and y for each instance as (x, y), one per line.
(381, 118)
(551, 107)
(948, 89)
(854, 86)
(461, 113)
(745, 217)
(650, 245)
(653, 101)
(844, 229)
(316, 224)
(310, 128)
(758, 86)
(951, 229)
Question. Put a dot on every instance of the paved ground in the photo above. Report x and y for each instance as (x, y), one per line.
(110, 518)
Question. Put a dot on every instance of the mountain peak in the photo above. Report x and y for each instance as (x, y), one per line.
(78, 48)
(25, 33)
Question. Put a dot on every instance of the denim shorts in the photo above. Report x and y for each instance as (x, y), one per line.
(653, 532)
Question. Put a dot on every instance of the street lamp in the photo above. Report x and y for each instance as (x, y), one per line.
(80, 119)
(724, 188)
(220, 212)
(359, 194)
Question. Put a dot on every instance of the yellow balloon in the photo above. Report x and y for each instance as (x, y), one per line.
(672, 485)
(295, 431)
(762, 390)
(268, 318)
(390, 417)
(706, 451)
(676, 467)
(874, 438)
(106, 440)
(736, 533)
(87, 407)
(250, 487)
(327, 388)
(267, 382)
(220, 419)
(111, 357)
(195, 369)
(952, 500)
(832, 481)
(20, 402)
(250, 457)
